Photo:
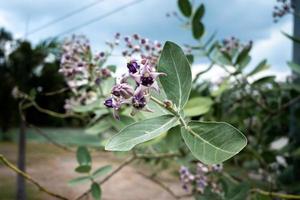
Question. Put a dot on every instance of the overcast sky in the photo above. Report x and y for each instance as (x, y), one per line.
(245, 19)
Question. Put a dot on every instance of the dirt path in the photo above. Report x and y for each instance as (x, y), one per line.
(53, 167)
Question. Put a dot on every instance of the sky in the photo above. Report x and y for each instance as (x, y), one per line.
(244, 19)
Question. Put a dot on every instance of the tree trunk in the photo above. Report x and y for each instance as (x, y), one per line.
(21, 188)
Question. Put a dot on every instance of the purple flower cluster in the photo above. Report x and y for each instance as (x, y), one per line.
(232, 45)
(137, 95)
(139, 47)
(283, 8)
(200, 179)
(82, 70)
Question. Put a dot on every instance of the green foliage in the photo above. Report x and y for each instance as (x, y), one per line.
(79, 180)
(102, 171)
(185, 7)
(213, 142)
(84, 160)
(197, 25)
(197, 106)
(178, 82)
(260, 67)
(139, 132)
(96, 191)
(295, 67)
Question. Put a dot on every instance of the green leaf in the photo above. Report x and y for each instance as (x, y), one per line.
(190, 58)
(293, 38)
(96, 191)
(263, 80)
(83, 156)
(98, 127)
(120, 124)
(243, 55)
(294, 66)
(102, 171)
(79, 180)
(178, 82)
(112, 68)
(140, 132)
(239, 192)
(260, 67)
(83, 168)
(197, 25)
(197, 106)
(185, 7)
(213, 142)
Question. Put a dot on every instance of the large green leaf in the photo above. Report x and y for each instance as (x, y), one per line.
(185, 7)
(98, 127)
(96, 191)
(213, 142)
(178, 82)
(197, 106)
(140, 132)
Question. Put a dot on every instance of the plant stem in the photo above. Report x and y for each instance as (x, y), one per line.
(171, 110)
(275, 194)
(29, 178)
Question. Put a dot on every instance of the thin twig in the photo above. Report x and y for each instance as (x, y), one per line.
(29, 178)
(62, 90)
(125, 163)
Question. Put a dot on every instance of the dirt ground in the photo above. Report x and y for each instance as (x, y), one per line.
(53, 168)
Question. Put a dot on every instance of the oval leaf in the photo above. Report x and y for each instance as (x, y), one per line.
(260, 67)
(102, 171)
(96, 191)
(213, 142)
(140, 132)
(83, 169)
(83, 156)
(78, 180)
(197, 25)
(178, 82)
(197, 106)
(185, 7)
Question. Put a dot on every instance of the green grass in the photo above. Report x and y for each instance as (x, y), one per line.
(67, 136)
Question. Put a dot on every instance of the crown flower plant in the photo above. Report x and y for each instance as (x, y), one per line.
(209, 142)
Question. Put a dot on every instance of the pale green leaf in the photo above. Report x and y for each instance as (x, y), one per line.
(98, 127)
(213, 142)
(260, 67)
(79, 180)
(140, 132)
(83, 156)
(178, 82)
(102, 171)
(197, 106)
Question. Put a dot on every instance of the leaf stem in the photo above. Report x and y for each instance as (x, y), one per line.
(171, 110)
(275, 194)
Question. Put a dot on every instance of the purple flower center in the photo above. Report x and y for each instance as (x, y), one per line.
(109, 103)
(139, 102)
(133, 67)
(147, 80)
